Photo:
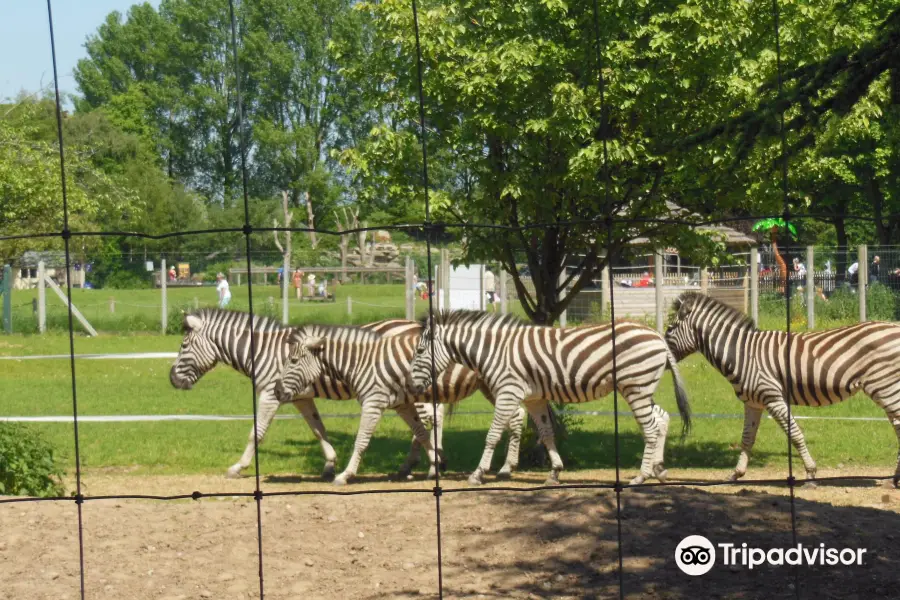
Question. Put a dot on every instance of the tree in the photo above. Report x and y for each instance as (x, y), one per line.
(31, 197)
(517, 130)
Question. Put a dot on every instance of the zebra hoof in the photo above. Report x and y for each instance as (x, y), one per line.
(504, 475)
(662, 475)
(734, 477)
(897, 481)
(234, 472)
(443, 466)
(328, 473)
(552, 478)
(810, 485)
(475, 479)
(637, 480)
(340, 480)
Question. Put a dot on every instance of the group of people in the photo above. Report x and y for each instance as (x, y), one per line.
(223, 291)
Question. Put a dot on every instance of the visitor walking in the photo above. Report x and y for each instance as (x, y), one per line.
(223, 291)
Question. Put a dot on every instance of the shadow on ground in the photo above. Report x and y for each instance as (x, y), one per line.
(564, 545)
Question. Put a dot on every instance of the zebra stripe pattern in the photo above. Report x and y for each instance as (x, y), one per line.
(377, 373)
(521, 362)
(213, 336)
(826, 367)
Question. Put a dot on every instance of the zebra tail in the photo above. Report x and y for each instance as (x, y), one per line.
(451, 408)
(681, 398)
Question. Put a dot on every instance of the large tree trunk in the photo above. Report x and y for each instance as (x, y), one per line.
(345, 242)
(286, 255)
(313, 241)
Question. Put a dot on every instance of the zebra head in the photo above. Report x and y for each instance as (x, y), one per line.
(197, 355)
(420, 367)
(302, 367)
(681, 335)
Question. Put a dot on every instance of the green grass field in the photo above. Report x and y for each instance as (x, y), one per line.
(138, 311)
(141, 387)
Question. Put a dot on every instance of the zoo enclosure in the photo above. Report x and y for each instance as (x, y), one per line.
(258, 496)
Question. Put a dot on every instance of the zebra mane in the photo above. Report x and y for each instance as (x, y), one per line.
(236, 318)
(336, 330)
(474, 317)
(734, 315)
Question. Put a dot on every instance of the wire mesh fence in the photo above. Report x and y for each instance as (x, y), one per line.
(615, 281)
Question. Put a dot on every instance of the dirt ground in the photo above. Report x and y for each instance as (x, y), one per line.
(495, 544)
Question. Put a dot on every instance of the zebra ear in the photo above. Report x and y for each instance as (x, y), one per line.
(296, 336)
(314, 343)
(193, 323)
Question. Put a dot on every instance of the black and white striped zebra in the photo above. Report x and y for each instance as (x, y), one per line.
(826, 367)
(521, 362)
(213, 336)
(377, 373)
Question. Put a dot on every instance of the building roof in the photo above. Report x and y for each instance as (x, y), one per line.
(52, 259)
(725, 234)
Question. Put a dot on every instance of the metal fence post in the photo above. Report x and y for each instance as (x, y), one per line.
(162, 286)
(659, 279)
(42, 297)
(863, 273)
(350, 307)
(560, 295)
(754, 285)
(704, 280)
(504, 307)
(6, 292)
(444, 274)
(410, 292)
(604, 291)
(810, 288)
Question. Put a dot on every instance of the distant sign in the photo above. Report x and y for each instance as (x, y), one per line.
(149, 266)
(465, 289)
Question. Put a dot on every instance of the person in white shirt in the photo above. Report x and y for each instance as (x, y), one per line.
(852, 273)
(223, 290)
(489, 289)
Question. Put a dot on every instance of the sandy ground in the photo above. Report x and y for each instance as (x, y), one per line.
(495, 544)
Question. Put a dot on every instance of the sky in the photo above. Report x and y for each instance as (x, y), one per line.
(26, 62)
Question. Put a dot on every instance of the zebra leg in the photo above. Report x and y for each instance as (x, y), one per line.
(265, 412)
(504, 409)
(371, 414)
(891, 406)
(662, 431)
(650, 430)
(307, 408)
(409, 414)
(778, 410)
(895, 421)
(752, 419)
(438, 429)
(515, 439)
(412, 459)
(540, 412)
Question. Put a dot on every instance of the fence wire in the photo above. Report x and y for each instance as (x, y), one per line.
(431, 229)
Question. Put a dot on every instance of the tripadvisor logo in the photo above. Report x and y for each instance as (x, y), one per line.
(696, 555)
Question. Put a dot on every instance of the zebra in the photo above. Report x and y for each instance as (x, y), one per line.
(520, 362)
(826, 367)
(377, 372)
(212, 336)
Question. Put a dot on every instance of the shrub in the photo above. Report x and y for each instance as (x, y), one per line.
(126, 280)
(28, 465)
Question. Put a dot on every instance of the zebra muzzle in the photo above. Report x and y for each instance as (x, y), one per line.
(179, 382)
